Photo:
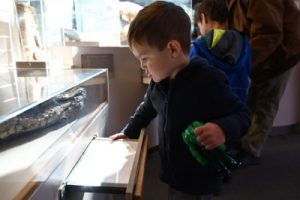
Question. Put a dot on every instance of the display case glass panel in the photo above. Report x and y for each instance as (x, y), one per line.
(30, 87)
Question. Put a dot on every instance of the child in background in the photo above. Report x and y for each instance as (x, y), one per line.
(227, 50)
(181, 91)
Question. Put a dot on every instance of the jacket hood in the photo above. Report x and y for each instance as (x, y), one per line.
(228, 50)
(226, 45)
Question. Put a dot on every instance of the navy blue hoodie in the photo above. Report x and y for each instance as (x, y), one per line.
(199, 92)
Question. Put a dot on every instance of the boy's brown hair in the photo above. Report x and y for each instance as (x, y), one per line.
(159, 23)
(216, 10)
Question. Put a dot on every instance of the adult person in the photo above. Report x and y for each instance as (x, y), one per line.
(273, 27)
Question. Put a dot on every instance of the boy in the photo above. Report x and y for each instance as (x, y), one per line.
(227, 50)
(181, 91)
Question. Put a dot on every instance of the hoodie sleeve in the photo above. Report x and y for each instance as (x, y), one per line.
(144, 113)
(228, 111)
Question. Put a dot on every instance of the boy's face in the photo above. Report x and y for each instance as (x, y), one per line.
(157, 64)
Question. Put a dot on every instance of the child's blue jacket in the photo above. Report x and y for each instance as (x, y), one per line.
(232, 55)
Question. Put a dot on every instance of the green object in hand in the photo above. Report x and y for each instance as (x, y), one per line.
(217, 158)
(191, 141)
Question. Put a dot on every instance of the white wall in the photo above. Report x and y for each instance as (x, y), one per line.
(289, 107)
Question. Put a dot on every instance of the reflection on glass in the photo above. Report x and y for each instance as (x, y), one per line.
(10, 44)
(22, 89)
(101, 21)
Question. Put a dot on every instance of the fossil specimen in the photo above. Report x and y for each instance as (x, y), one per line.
(64, 106)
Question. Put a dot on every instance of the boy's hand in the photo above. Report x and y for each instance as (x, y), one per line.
(118, 136)
(210, 135)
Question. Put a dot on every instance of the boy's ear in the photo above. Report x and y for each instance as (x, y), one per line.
(204, 18)
(174, 47)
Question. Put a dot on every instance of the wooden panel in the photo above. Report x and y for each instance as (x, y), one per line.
(138, 192)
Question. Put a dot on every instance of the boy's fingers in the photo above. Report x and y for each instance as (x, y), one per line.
(199, 130)
(200, 133)
(117, 136)
(113, 137)
(203, 138)
(210, 146)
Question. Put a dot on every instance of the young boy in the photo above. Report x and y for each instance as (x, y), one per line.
(181, 91)
(227, 50)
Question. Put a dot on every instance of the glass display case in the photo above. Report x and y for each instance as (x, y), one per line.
(47, 119)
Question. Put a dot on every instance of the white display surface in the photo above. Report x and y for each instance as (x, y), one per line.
(105, 163)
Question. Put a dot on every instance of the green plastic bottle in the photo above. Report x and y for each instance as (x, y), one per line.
(217, 158)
